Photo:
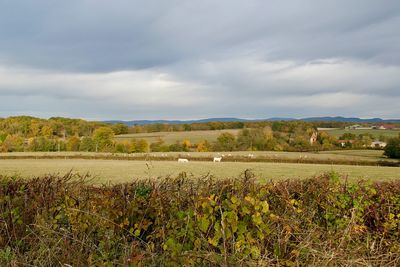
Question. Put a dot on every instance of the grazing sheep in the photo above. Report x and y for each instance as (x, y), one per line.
(183, 160)
(217, 159)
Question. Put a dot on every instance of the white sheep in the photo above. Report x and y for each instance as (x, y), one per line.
(217, 159)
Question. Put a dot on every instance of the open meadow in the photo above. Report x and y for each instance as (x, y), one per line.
(172, 137)
(211, 135)
(374, 132)
(334, 155)
(116, 171)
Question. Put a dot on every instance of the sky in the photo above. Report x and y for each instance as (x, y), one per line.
(179, 59)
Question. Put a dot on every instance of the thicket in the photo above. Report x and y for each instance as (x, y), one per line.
(199, 221)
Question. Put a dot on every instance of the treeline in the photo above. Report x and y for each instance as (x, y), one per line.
(285, 126)
(23, 133)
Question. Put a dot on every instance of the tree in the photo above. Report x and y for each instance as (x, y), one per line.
(159, 146)
(392, 149)
(47, 131)
(73, 143)
(203, 146)
(13, 143)
(141, 146)
(120, 129)
(122, 147)
(226, 142)
(348, 136)
(186, 145)
(103, 138)
(87, 144)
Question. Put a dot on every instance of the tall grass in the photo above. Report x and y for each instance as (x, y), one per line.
(52, 221)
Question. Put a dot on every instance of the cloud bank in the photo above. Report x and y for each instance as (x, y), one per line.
(198, 59)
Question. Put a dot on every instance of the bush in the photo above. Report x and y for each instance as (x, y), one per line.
(184, 222)
(392, 149)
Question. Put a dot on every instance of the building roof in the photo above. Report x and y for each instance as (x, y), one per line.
(388, 126)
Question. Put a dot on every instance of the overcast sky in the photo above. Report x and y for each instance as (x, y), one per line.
(179, 59)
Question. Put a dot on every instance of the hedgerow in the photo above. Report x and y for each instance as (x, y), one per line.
(52, 221)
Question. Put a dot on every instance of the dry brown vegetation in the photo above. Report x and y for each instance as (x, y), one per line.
(52, 221)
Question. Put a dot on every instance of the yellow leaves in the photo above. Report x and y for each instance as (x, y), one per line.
(359, 229)
(255, 252)
(234, 200)
(274, 218)
(245, 210)
(265, 207)
(251, 200)
(257, 219)
(203, 223)
(125, 222)
(214, 241)
(136, 233)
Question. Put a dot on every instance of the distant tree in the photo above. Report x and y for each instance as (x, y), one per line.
(87, 144)
(177, 147)
(392, 149)
(226, 142)
(120, 129)
(3, 136)
(141, 146)
(47, 131)
(122, 147)
(186, 145)
(73, 143)
(103, 138)
(159, 146)
(13, 143)
(203, 146)
(347, 136)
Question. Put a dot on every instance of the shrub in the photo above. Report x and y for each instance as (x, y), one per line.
(184, 222)
(392, 149)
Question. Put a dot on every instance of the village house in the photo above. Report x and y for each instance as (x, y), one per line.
(343, 143)
(378, 144)
(313, 138)
(353, 127)
(384, 127)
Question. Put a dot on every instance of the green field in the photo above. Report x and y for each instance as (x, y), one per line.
(116, 171)
(375, 132)
(332, 157)
(197, 136)
(340, 155)
(171, 137)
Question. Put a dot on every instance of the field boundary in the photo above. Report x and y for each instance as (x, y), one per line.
(383, 163)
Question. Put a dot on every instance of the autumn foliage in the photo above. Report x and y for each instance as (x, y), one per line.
(52, 221)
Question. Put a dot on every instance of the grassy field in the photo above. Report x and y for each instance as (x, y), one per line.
(211, 136)
(350, 155)
(375, 132)
(116, 171)
(171, 137)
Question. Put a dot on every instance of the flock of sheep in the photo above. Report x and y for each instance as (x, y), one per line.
(216, 159)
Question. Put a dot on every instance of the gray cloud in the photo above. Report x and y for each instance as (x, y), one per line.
(193, 59)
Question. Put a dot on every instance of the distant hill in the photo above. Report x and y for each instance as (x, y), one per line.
(340, 119)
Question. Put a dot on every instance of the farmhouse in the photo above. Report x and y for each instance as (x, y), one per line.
(378, 144)
(343, 143)
(385, 127)
(353, 127)
(313, 138)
